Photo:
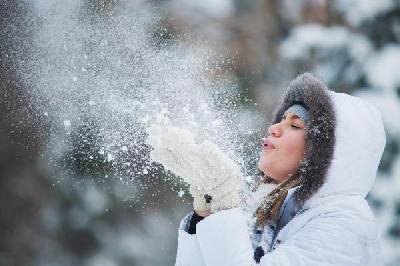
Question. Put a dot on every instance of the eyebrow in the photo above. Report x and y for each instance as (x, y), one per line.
(293, 117)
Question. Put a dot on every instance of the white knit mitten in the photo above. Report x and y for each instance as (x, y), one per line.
(214, 179)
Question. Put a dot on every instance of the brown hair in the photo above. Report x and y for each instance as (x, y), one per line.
(269, 209)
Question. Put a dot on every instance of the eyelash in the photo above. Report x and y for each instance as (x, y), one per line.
(293, 126)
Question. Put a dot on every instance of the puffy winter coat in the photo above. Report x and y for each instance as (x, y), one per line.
(335, 225)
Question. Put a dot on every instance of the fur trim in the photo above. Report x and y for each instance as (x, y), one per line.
(320, 131)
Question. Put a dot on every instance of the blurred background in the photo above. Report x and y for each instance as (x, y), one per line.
(78, 79)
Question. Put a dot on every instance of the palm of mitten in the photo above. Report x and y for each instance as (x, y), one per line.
(208, 171)
(222, 177)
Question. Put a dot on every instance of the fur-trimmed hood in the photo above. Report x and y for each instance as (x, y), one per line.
(345, 139)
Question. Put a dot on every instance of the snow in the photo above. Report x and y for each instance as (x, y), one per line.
(383, 77)
(388, 105)
(110, 157)
(123, 83)
(386, 190)
(101, 260)
(303, 38)
(381, 71)
(181, 193)
(43, 7)
(359, 11)
(335, 50)
(67, 123)
(94, 200)
(217, 9)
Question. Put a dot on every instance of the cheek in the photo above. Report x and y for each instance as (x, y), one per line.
(295, 148)
(283, 161)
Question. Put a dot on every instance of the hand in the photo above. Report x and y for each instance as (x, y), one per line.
(214, 179)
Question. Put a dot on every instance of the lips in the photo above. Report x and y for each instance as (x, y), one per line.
(267, 144)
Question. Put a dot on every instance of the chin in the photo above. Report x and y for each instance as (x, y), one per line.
(260, 167)
(266, 167)
(263, 169)
(264, 164)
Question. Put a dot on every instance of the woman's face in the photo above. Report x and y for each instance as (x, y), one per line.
(283, 149)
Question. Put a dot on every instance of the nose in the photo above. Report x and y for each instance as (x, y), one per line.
(274, 130)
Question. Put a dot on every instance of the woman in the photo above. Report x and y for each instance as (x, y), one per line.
(322, 153)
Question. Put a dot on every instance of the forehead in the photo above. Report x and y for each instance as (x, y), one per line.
(290, 115)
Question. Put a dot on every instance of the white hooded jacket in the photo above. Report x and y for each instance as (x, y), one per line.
(336, 226)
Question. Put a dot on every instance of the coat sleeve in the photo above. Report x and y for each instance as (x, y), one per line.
(188, 253)
(324, 240)
(224, 239)
(331, 238)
